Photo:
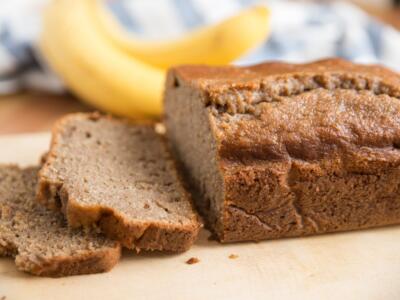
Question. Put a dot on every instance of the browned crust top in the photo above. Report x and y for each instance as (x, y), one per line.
(214, 77)
(279, 111)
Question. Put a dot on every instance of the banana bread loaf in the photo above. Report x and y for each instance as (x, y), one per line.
(278, 150)
(109, 173)
(39, 239)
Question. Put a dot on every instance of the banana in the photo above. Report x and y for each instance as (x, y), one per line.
(93, 68)
(125, 76)
(214, 45)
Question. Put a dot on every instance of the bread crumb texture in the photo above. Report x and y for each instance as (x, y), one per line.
(119, 176)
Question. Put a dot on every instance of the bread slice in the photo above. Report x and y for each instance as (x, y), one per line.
(288, 150)
(120, 177)
(39, 238)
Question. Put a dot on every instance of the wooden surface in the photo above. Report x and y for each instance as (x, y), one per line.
(31, 112)
(356, 265)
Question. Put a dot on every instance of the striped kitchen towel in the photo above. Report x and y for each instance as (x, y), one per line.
(300, 32)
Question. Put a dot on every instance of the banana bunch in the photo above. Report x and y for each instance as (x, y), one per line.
(121, 74)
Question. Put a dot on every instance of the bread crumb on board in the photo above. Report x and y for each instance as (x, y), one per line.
(192, 261)
(233, 256)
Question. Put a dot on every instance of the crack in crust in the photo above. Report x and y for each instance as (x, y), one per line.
(297, 213)
(292, 205)
(254, 216)
(245, 99)
(294, 202)
(314, 223)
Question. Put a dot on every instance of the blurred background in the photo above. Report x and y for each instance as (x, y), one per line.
(33, 94)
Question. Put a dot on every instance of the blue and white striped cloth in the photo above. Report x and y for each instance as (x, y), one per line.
(300, 32)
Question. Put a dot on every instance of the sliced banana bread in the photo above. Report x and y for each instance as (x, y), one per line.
(120, 177)
(39, 238)
(278, 150)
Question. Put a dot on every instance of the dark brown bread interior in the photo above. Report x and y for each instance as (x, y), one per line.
(39, 239)
(278, 150)
(119, 177)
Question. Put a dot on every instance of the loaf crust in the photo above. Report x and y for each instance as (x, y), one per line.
(132, 233)
(294, 149)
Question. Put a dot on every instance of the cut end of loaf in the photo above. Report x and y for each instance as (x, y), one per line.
(111, 174)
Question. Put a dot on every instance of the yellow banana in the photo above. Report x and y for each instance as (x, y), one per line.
(90, 59)
(93, 68)
(215, 45)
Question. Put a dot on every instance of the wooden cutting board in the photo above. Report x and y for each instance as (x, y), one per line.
(356, 265)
